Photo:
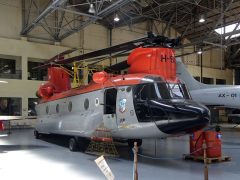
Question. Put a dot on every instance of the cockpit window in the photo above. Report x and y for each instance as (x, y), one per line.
(152, 91)
(178, 91)
(163, 90)
(146, 91)
(185, 91)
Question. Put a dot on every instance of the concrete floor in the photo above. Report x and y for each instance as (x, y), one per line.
(23, 157)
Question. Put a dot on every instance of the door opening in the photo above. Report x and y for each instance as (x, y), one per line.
(110, 101)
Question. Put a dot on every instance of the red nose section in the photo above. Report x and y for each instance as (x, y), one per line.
(160, 61)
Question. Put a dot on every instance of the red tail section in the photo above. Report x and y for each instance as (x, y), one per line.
(160, 61)
(58, 81)
(59, 78)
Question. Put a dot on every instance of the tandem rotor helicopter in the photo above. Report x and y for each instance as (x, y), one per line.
(148, 102)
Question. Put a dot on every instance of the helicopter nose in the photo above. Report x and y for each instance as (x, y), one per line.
(184, 118)
(183, 126)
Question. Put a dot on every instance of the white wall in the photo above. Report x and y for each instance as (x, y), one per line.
(24, 50)
(212, 73)
(10, 18)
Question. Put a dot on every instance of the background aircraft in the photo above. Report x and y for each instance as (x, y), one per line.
(227, 96)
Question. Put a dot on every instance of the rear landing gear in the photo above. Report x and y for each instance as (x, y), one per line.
(76, 144)
(131, 142)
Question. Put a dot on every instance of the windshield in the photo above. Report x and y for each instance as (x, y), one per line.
(152, 91)
(178, 91)
(161, 90)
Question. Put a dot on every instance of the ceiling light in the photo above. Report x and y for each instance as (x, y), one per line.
(116, 18)
(91, 9)
(201, 19)
(199, 51)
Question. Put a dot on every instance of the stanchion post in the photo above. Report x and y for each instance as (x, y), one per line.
(205, 161)
(135, 161)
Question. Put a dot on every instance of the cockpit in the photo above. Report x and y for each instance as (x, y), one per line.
(168, 105)
(159, 89)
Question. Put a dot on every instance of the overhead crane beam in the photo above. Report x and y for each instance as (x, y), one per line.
(51, 8)
(103, 13)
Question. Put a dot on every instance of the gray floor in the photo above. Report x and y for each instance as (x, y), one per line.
(23, 157)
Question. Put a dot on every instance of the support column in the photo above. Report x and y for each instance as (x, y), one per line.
(201, 66)
(24, 106)
(24, 62)
(110, 45)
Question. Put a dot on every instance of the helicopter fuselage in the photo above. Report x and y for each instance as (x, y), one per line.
(131, 106)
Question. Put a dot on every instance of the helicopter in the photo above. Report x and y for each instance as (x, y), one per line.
(148, 102)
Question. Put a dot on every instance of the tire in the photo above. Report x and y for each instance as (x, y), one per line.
(83, 144)
(131, 142)
(73, 146)
(36, 134)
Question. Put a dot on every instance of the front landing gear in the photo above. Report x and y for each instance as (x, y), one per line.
(73, 146)
(131, 142)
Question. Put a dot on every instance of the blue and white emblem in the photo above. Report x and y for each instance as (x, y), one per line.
(122, 105)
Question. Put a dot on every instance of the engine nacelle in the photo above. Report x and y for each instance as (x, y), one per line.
(100, 77)
(160, 61)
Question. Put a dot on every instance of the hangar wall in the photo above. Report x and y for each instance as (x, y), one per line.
(92, 37)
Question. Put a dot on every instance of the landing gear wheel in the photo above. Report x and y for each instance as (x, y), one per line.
(83, 144)
(36, 134)
(131, 142)
(73, 146)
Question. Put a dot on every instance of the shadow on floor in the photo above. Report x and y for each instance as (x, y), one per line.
(6, 148)
(125, 153)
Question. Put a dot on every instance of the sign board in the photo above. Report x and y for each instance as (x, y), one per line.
(103, 166)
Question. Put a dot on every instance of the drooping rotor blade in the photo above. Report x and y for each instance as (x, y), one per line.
(117, 67)
(57, 57)
(111, 50)
(61, 54)
(103, 58)
(94, 54)
(150, 41)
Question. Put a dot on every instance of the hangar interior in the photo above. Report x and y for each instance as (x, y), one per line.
(34, 31)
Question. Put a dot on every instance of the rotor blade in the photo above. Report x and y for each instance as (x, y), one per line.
(150, 41)
(94, 54)
(61, 54)
(117, 67)
(110, 50)
(100, 59)
(51, 60)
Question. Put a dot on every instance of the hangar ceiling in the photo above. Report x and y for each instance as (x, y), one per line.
(62, 18)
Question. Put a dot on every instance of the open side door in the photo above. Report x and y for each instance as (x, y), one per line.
(109, 115)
